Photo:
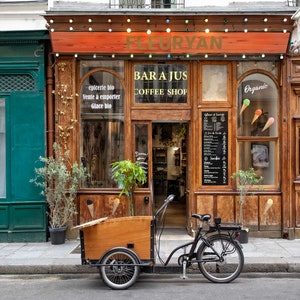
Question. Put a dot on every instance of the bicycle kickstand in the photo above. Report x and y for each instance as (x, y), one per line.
(184, 263)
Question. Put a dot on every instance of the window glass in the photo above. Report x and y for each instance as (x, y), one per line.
(257, 106)
(102, 126)
(214, 82)
(160, 83)
(141, 146)
(114, 65)
(257, 117)
(2, 150)
(260, 156)
(268, 66)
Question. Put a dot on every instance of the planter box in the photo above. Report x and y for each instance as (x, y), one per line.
(129, 232)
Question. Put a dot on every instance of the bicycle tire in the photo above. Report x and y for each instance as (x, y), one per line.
(119, 270)
(224, 269)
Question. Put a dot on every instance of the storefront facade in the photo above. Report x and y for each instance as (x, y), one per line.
(167, 89)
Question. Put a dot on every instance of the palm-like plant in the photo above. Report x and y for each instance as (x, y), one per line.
(128, 175)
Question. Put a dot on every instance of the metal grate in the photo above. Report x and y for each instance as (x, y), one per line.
(17, 82)
(146, 4)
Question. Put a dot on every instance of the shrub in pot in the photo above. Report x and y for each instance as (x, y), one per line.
(59, 181)
(246, 182)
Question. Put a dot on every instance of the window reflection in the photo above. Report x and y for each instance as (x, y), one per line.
(141, 147)
(257, 111)
(102, 123)
(102, 144)
(257, 104)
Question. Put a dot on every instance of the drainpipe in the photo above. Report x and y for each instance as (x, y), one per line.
(50, 107)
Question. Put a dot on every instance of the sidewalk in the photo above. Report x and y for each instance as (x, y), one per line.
(261, 255)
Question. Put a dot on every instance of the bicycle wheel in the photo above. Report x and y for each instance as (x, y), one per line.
(222, 261)
(119, 270)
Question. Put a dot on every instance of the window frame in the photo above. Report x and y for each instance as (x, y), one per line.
(260, 139)
(219, 102)
(161, 104)
(97, 116)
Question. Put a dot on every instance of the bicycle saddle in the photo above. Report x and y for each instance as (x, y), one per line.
(202, 218)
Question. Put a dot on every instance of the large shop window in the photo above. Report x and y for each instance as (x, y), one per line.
(160, 83)
(258, 126)
(2, 150)
(102, 124)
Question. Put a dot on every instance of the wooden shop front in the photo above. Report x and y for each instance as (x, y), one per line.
(168, 91)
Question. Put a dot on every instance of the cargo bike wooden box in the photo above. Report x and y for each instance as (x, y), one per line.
(121, 247)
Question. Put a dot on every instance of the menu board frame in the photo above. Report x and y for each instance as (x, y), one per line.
(215, 148)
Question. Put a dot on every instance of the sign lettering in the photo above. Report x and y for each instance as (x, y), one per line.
(160, 83)
(173, 42)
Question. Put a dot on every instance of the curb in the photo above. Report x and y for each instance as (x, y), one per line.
(282, 268)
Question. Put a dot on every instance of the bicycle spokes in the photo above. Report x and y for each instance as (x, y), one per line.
(220, 261)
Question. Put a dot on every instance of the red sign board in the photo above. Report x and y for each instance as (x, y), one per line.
(173, 42)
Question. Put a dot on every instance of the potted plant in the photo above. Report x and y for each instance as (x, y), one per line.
(128, 175)
(245, 181)
(59, 181)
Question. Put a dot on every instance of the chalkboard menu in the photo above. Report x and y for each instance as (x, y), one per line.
(215, 148)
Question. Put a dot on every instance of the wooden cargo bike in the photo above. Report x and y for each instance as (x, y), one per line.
(122, 247)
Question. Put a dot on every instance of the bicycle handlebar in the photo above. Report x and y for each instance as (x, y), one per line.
(165, 204)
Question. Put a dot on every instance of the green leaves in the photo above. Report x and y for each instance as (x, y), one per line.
(59, 181)
(128, 175)
(246, 179)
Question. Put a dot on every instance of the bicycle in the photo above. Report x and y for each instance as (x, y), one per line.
(216, 251)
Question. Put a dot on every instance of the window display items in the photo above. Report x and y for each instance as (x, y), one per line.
(257, 114)
(269, 123)
(246, 103)
(260, 154)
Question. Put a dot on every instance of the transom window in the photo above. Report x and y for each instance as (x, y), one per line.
(160, 83)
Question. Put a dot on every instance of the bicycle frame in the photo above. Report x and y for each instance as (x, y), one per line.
(213, 229)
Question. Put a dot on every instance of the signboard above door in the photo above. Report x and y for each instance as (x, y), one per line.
(173, 42)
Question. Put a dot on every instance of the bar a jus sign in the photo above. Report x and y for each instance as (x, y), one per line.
(160, 83)
(173, 42)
